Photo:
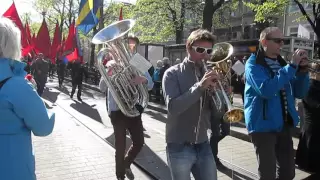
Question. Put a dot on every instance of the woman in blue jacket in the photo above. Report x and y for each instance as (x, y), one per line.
(22, 110)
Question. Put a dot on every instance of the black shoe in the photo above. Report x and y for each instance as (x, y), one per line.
(79, 99)
(129, 174)
(218, 162)
(71, 96)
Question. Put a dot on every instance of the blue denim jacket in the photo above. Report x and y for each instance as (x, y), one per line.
(111, 104)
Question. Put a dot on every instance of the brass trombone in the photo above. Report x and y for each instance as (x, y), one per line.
(221, 53)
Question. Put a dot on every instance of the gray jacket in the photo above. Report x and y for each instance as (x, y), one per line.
(183, 98)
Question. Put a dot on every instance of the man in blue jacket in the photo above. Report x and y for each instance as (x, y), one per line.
(270, 91)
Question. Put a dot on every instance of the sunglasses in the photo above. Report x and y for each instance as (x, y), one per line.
(276, 40)
(201, 50)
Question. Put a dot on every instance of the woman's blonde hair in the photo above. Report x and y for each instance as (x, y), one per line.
(10, 40)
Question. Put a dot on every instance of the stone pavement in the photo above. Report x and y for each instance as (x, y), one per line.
(72, 152)
(231, 150)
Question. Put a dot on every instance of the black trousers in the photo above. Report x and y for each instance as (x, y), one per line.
(121, 123)
(60, 78)
(275, 154)
(74, 87)
(220, 129)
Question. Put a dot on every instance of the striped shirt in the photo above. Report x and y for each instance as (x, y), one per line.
(275, 66)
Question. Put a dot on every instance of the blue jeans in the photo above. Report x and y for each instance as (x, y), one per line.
(197, 159)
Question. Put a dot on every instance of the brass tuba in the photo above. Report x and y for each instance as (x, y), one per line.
(129, 98)
(220, 56)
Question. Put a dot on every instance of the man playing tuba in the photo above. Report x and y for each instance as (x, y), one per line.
(121, 123)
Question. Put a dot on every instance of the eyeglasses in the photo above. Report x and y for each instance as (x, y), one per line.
(276, 40)
(201, 50)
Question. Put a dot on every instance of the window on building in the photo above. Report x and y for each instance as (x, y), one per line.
(293, 31)
(293, 7)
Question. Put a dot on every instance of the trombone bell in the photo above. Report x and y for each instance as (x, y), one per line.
(220, 56)
(233, 115)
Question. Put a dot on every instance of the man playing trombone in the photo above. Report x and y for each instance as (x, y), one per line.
(271, 86)
(189, 109)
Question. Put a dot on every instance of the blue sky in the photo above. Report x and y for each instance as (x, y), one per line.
(25, 6)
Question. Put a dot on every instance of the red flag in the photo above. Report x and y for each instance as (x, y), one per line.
(74, 55)
(120, 16)
(12, 14)
(55, 43)
(33, 39)
(28, 33)
(42, 43)
(70, 42)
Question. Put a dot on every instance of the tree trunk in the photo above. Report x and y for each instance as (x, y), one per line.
(62, 19)
(101, 21)
(207, 15)
(208, 11)
(317, 32)
(262, 25)
(93, 47)
(179, 36)
(180, 23)
(70, 12)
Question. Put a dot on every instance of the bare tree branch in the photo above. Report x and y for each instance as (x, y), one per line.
(305, 14)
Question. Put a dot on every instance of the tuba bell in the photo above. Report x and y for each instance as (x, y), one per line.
(220, 60)
(129, 98)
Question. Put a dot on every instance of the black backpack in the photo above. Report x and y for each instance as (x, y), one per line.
(4, 81)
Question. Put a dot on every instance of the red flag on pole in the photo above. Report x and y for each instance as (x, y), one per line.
(55, 43)
(120, 16)
(43, 44)
(12, 14)
(74, 55)
(28, 33)
(70, 42)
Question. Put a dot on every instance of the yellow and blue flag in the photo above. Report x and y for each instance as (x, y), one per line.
(89, 15)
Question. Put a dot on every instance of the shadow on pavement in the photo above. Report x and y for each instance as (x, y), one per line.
(156, 115)
(147, 160)
(51, 96)
(87, 110)
(312, 177)
(87, 93)
(47, 105)
(233, 174)
(64, 90)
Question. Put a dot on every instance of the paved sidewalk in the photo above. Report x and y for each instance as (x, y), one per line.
(73, 152)
(153, 156)
(242, 154)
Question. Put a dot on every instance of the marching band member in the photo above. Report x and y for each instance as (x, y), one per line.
(122, 123)
(189, 110)
(271, 87)
(307, 156)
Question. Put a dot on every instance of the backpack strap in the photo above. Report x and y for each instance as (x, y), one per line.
(4, 81)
